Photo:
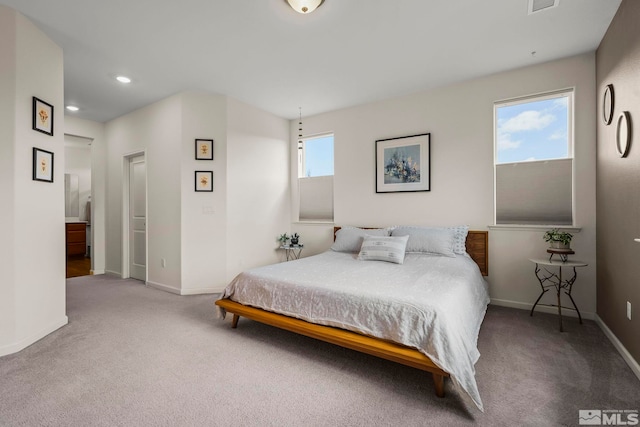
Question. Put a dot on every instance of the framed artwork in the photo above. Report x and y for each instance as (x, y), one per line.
(204, 149)
(42, 165)
(42, 116)
(403, 164)
(204, 180)
(608, 102)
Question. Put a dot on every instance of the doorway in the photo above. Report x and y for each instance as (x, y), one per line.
(78, 189)
(134, 250)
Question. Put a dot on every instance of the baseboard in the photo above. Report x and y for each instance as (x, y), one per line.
(542, 309)
(26, 342)
(163, 287)
(177, 291)
(200, 291)
(633, 364)
(113, 273)
(96, 272)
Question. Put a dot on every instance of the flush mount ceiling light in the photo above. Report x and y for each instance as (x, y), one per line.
(123, 79)
(304, 6)
(72, 108)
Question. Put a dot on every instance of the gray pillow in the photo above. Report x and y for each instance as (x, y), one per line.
(379, 248)
(349, 239)
(439, 241)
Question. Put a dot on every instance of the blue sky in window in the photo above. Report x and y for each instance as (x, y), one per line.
(318, 156)
(535, 130)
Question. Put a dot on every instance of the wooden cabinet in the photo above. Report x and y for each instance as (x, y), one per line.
(76, 235)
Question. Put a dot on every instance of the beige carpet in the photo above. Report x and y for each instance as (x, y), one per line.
(135, 356)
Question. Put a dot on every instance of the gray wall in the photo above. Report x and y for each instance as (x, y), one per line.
(618, 181)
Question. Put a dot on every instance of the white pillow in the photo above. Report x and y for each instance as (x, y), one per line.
(460, 239)
(379, 248)
(428, 240)
(349, 239)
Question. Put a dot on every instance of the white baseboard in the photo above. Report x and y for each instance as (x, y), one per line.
(163, 287)
(200, 291)
(96, 272)
(178, 291)
(114, 273)
(633, 364)
(541, 308)
(26, 342)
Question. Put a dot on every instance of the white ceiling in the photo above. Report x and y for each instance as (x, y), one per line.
(346, 53)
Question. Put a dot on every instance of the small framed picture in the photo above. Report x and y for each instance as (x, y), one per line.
(204, 149)
(42, 116)
(42, 165)
(403, 164)
(204, 180)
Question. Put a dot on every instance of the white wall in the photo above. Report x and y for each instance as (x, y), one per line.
(96, 132)
(206, 238)
(155, 130)
(33, 212)
(258, 193)
(460, 120)
(204, 214)
(7, 173)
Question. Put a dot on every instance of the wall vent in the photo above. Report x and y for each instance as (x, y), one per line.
(540, 5)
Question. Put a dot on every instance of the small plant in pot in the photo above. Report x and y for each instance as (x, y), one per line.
(283, 238)
(558, 239)
(295, 239)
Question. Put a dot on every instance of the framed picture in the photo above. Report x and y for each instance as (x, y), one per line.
(42, 116)
(403, 164)
(204, 149)
(42, 165)
(204, 180)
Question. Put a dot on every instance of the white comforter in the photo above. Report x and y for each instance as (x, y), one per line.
(432, 303)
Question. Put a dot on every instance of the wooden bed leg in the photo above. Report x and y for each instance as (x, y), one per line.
(234, 323)
(438, 381)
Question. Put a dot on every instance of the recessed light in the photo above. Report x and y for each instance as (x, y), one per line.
(123, 79)
(72, 108)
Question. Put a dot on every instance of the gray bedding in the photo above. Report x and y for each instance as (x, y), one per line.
(435, 304)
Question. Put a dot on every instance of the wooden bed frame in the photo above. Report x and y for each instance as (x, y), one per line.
(477, 247)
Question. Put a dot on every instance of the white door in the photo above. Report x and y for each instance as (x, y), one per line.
(137, 219)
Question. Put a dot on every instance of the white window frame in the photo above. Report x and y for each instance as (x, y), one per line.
(302, 157)
(570, 94)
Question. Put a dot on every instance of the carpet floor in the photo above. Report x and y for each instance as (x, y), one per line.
(136, 356)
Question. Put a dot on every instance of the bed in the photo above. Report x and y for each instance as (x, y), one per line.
(292, 297)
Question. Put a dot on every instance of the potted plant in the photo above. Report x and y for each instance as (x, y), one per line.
(295, 238)
(283, 239)
(558, 239)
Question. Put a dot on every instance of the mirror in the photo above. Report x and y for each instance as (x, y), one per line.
(71, 196)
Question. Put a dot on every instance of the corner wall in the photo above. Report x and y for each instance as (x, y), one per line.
(618, 180)
(32, 301)
(206, 238)
(460, 120)
(258, 196)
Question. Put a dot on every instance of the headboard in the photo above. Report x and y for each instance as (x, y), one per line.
(477, 247)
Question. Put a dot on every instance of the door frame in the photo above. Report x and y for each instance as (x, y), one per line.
(126, 182)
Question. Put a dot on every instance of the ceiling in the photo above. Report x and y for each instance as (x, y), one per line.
(346, 53)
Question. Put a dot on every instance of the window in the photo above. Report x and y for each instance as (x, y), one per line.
(534, 160)
(315, 178)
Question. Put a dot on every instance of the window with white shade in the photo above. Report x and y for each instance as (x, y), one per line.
(534, 160)
(315, 178)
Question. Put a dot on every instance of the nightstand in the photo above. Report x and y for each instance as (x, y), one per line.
(292, 252)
